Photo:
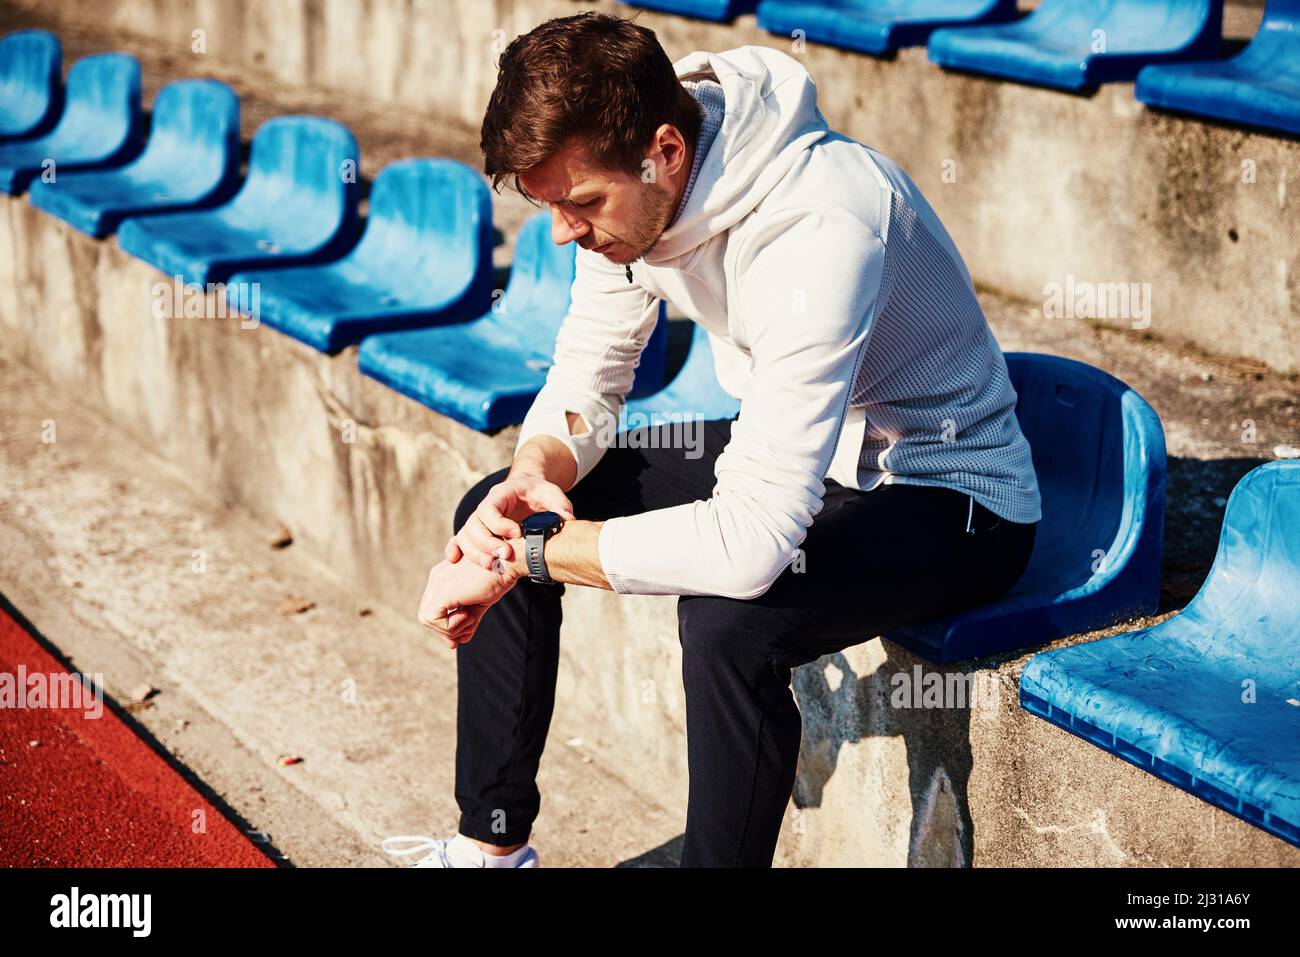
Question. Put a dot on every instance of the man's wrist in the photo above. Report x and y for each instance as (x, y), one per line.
(517, 567)
(528, 468)
(529, 461)
(548, 458)
(572, 556)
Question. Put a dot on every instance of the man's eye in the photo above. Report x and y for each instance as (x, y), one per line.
(589, 202)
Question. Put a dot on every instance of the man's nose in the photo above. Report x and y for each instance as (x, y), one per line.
(565, 229)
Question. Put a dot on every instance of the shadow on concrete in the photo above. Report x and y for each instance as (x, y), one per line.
(667, 854)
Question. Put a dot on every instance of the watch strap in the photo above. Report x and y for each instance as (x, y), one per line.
(533, 553)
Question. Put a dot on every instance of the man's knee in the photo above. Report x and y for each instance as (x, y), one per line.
(717, 629)
(471, 499)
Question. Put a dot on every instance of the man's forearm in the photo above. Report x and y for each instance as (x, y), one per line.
(546, 457)
(572, 555)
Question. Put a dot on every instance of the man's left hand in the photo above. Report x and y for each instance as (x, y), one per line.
(457, 595)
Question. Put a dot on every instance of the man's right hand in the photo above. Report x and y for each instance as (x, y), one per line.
(497, 518)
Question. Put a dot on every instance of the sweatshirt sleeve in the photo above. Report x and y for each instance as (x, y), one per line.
(597, 351)
(807, 296)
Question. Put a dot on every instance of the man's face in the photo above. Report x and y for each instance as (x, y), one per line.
(613, 213)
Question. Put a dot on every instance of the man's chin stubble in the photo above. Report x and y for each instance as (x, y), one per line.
(660, 211)
(624, 259)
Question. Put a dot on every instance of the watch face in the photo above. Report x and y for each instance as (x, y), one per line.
(541, 521)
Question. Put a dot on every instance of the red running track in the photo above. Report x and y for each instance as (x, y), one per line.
(90, 793)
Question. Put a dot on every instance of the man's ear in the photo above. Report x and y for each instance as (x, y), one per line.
(669, 149)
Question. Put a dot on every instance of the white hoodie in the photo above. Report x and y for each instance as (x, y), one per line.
(849, 364)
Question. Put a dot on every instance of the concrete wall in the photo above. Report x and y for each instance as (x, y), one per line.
(253, 418)
(1037, 187)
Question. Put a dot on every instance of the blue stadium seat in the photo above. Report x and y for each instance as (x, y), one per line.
(486, 373)
(100, 125)
(877, 26)
(693, 392)
(191, 159)
(1260, 86)
(1207, 700)
(297, 206)
(31, 71)
(1099, 453)
(425, 258)
(1078, 44)
(721, 10)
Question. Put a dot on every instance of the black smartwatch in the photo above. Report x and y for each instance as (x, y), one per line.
(538, 527)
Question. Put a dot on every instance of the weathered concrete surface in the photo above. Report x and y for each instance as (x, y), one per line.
(1036, 186)
(252, 420)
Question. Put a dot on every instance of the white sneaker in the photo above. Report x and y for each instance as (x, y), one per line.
(458, 851)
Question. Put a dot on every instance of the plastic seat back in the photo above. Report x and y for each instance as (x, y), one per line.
(1272, 57)
(541, 279)
(877, 26)
(1093, 440)
(102, 115)
(1260, 86)
(1074, 425)
(1280, 30)
(721, 10)
(1074, 44)
(303, 174)
(194, 136)
(430, 222)
(1256, 572)
(1139, 25)
(1123, 25)
(31, 64)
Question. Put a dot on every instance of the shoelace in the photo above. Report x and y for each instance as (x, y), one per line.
(422, 843)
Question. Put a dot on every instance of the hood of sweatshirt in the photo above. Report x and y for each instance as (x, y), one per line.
(771, 118)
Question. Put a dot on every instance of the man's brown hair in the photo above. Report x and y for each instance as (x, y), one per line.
(598, 78)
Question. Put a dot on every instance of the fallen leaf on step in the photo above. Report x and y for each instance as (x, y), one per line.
(295, 605)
